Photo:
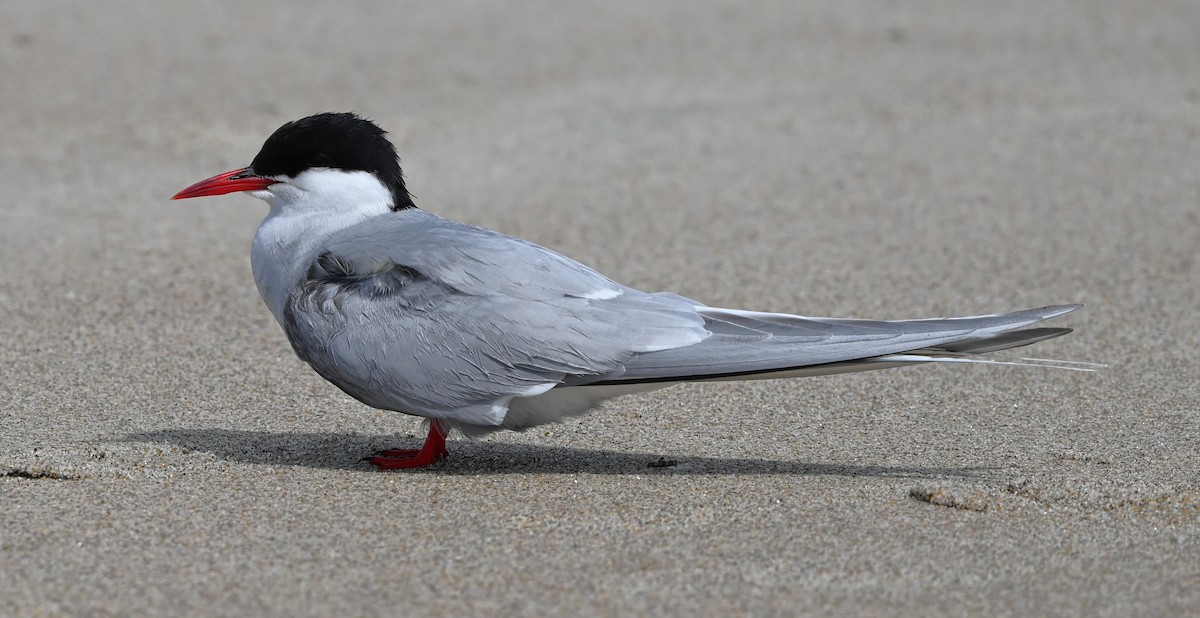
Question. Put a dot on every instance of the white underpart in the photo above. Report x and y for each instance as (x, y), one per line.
(552, 406)
(304, 211)
(559, 403)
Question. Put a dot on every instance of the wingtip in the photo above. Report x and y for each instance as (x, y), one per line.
(1053, 311)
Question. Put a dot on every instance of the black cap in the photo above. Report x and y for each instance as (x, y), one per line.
(335, 140)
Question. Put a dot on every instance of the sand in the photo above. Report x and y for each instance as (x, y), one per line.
(162, 451)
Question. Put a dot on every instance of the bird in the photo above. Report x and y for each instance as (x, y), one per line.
(478, 331)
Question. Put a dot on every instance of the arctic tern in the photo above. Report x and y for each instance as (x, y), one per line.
(478, 331)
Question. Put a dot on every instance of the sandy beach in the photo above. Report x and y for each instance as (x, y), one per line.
(163, 452)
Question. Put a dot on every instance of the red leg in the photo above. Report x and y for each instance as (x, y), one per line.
(433, 450)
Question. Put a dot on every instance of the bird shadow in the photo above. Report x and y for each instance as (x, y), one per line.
(345, 452)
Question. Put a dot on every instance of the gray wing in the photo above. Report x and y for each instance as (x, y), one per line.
(747, 344)
(418, 314)
(414, 313)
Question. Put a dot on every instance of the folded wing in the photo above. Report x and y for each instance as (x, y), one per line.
(423, 315)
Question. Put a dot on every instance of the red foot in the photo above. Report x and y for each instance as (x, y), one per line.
(433, 450)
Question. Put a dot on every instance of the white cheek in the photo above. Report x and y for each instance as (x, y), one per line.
(324, 191)
(279, 195)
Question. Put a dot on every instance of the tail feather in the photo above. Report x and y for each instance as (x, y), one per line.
(754, 345)
(747, 345)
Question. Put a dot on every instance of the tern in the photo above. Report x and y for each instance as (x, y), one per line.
(478, 331)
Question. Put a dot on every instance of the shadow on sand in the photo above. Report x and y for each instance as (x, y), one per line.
(344, 452)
